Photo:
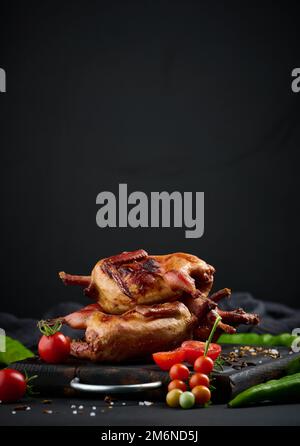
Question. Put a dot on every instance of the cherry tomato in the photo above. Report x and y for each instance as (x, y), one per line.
(172, 397)
(199, 379)
(187, 400)
(165, 360)
(204, 364)
(55, 348)
(202, 394)
(179, 371)
(194, 349)
(12, 385)
(177, 384)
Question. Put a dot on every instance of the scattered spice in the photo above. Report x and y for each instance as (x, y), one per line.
(19, 408)
(108, 399)
(235, 357)
(254, 351)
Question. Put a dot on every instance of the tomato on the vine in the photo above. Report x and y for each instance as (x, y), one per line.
(12, 385)
(54, 346)
(202, 394)
(179, 371)
(199, 379)
(177, 384)
(202, 355)
(204, 364)
(173, 397)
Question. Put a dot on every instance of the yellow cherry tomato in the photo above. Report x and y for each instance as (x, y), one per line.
(172, 397)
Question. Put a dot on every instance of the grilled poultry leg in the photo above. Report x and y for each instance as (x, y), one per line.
(206, 316)
(71, 279)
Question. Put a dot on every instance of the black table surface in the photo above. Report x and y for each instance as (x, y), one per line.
(135, 413)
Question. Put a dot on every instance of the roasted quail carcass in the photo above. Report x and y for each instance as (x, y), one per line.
(121, 282)
(134, 334)
(148, 303)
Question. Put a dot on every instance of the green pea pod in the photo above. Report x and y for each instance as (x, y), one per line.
(264, 340)
(286, 389)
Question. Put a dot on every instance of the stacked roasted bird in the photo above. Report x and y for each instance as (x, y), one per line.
(144, 304)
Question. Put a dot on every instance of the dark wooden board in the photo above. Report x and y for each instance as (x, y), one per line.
(55, 379)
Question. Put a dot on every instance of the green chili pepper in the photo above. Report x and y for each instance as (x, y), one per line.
(286, 389)
(293, 366)
(267, 340)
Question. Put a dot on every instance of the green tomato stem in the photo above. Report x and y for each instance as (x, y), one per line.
(49, 328)
(218, 319)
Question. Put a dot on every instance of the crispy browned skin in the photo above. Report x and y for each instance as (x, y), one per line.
(121, 282)
(136, 333)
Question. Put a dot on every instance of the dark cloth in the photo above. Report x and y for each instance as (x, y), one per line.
(26, 331)
(275, 318)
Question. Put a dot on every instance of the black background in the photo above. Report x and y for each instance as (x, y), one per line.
(188, 96)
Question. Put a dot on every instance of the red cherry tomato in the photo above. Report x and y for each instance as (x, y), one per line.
(179, 371)
(177, 384)
(165, 360)
(12, 385)
(199, 379)
(194, 349)
(55, 348)
(202, 394)
(204, 364)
